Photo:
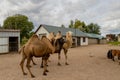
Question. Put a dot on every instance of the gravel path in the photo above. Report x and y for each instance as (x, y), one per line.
(86, 63)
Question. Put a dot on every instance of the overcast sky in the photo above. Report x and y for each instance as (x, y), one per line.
(105, 13)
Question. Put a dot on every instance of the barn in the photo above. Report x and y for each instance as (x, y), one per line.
(79, 38)
(9, 40)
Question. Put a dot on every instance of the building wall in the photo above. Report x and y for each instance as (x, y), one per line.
(7, 34)
(4, 40)
(103, 41)
(92, 41)
(42, 31)
(84, 42)
(79, 41)
(4, 45)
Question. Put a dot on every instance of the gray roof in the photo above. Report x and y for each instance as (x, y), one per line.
(55, 29)
(91, 35)
(76, 32)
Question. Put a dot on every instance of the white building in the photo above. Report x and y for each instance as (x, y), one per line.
(79, 38)
(9, 40)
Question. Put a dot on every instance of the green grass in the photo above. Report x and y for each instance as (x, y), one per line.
(114, 43)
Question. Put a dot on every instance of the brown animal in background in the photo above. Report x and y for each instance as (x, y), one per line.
(38, 48)
(115, 53)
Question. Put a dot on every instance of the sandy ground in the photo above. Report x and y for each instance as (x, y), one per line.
(82, 66)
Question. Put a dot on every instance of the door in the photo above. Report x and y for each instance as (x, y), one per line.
(13, 44)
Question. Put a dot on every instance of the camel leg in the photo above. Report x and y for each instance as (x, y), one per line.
(28, 66)
(33, 62)
(22, 64)
(45, 67)
(42, 63)
(59, 59)
(65, 52)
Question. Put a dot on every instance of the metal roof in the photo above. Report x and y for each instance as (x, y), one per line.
(91, 35)
(55, 29)
(76, 32)
(9, 30)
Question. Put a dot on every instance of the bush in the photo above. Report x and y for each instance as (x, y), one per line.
(24, 40)
(114, 43)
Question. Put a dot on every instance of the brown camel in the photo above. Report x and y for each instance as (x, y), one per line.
(67, 43)
(37, 48)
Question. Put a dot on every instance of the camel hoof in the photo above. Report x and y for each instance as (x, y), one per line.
(24, 73)
(44, 74)
(47, 65)
(66, 64)
(59, 64)
(47, 71)
(41, 66)
(32, 76)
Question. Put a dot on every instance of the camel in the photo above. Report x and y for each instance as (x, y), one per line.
(37, 48)
(60, 44)
(66, 46)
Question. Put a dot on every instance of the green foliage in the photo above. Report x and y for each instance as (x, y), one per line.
(114, 43)
(21, 22)
(63, 26)
(77, 25)
(71, 25)
(90, 28)
(93, 28)
(24, 40)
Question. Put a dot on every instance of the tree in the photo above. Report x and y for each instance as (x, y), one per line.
(0, 26)
(93, 28)
(71, 25)
(63, 25)
(21, 22)
(77, 25)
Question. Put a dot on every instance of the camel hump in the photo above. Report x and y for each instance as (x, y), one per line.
(43, 37)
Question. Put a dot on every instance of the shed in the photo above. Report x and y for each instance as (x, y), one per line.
(9, 40)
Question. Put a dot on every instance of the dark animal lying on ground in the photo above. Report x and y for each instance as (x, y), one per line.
(109, 54)
(112, 53)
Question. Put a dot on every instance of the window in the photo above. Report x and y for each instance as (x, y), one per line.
(83, 39)
(42, 34)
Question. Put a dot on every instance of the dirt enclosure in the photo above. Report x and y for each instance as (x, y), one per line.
(86, 63)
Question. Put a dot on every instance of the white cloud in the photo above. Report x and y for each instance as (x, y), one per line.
(56, 12)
